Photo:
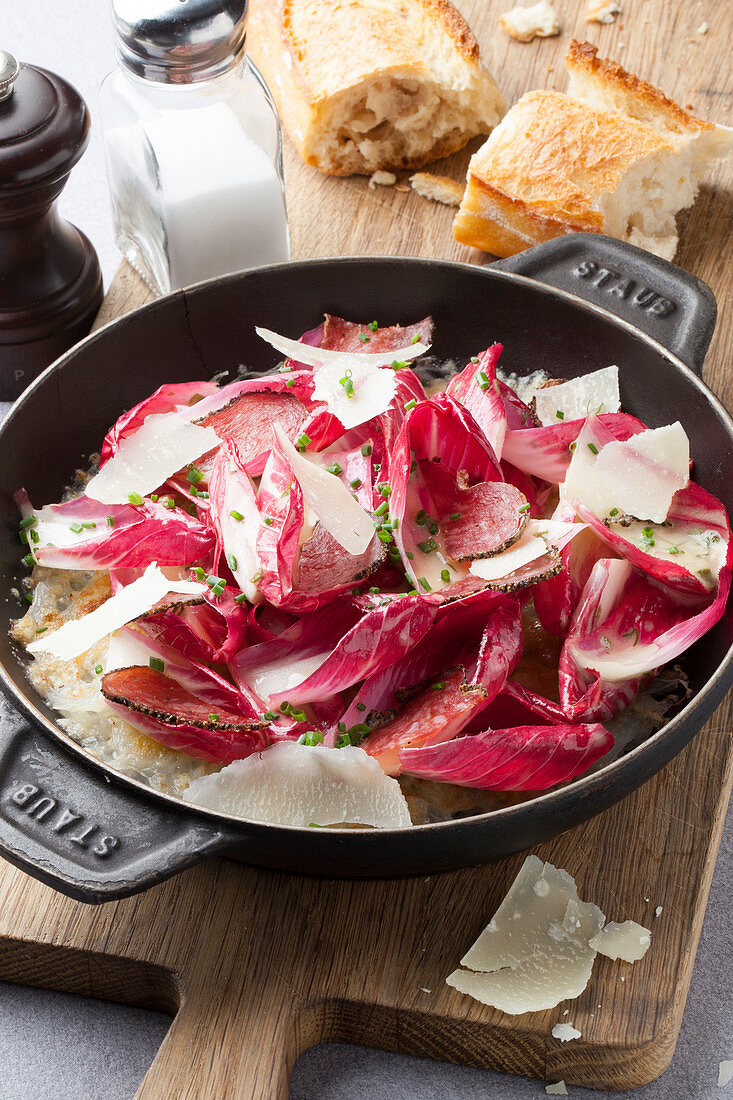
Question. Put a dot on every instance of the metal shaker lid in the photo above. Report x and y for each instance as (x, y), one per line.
(179, 41)
(44, 126)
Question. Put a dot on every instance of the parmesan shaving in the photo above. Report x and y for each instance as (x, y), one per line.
(341, 515)
(163, 444)
(527, 549)
(628, 941)
(535, 951)
(372, 390)
(596, 392)
(76, 637)
(565, 1032)
(293, 784)
(317, 357)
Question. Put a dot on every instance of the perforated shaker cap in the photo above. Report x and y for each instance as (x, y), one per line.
(179, 41)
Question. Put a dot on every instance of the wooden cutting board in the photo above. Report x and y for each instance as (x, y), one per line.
(255, 966)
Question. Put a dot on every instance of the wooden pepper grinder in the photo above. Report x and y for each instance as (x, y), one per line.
(50, 280)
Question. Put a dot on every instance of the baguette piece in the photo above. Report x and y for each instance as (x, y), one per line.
(538, 21)
(364, 85)
(614, 156)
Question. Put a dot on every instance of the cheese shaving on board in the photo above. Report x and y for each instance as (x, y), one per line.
(341, 515)
(565, 1032)
(628, 941)
(293, 784)
(535, 951)
(597, 392)
(317, 357)
(162, 445)
(353, 391)
(75, 637)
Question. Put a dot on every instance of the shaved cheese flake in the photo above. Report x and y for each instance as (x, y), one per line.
(638, 476)
(628, 941)
(239, 536)
(127, 648)
(161, 446)
(527, 549)
(535, 951)
(591, 393)
(75, 637)
(556, 1089)
(341, 515)
(293, 784)
(276, 676)
(318, 357)
(565, 1032)
(725, 1073)
(371, 390)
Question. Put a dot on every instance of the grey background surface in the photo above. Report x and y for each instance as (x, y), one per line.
(54, 1046)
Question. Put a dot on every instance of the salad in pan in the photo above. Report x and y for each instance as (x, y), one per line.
(325, 596)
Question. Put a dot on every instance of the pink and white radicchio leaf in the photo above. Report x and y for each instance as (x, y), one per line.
(545, 452)
(167, 398)
(477, 389)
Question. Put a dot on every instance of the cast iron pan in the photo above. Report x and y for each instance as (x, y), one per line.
(90, 833)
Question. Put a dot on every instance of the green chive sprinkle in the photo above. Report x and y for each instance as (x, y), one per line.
(398, 364)
(384, 536)
(573, 445)
(445, 575)
(374, 590)
(454, 516)
(154, 498)
(240, 598)
(560, 415)
(29, 597)
(381, 509)
(284, 707)
(592, 448)
(364, 338)
(34, 536)
(385, 490)
(290, 382)
(366, 450)
(524, 508)
(134, 498)
(424, 584)
(29, 521)
(270, 716)
(169, 503)
(415, 338)
(213, 717)
(110, 521)
(236, 515)
(440, 686)
(88, 526)
(28, 560)
(613, 512)
(409, 556)
(361, 706)
(373, 325)
(348, 385)
(232, 562)
(429, 546)
(421, 518)
(674, 550)
(23, 536)
(157, 664)
(344, 741)
(410, 404)
(483, 380)
(334, 469)
(76, 528)
(356, 483)
(194, 476)
(433, 527)
(474, 358)
(302, 441)
(267, 521)
(97, 668)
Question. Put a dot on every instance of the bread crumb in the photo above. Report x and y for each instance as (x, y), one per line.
(382, 179)
(438, 188)
(605, 11)
(524, 24)
(565, 1032)
(658, 911)
(703, 28)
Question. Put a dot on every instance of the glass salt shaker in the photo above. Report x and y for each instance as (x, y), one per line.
(193, 144)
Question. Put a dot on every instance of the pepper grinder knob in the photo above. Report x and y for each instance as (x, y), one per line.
(50, 280)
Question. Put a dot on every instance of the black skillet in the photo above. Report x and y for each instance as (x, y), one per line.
(95, 835)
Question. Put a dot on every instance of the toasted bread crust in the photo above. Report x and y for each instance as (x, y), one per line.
(582, 57)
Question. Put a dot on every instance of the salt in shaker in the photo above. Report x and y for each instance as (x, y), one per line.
(193, 144)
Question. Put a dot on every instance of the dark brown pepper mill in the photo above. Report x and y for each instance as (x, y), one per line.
(50, 281)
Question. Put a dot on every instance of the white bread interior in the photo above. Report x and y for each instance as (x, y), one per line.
(622, 160)
(378, 84)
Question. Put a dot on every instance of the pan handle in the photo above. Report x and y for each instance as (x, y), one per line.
(82, 832)
(667, 303)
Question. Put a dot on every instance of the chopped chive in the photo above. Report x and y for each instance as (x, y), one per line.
(28, 560)
(315, 825)
(674, 550)
(97, 668)
(356, 483)
(421, 517)
(385, 490)
(157, 664)
(88, 526)
(445, 575)
(110, 521)
(573, 445)
(373, 325)
(361, 706)
(23, 535)
(213, 717)
(358, 732)
(34, 536)
(440, 686)
(267, 521)
(433, 527)
(200, 573)
(154, 498)
(168, 502)
(454, 516)
(354, 591)
(633, 633)
(284, 707)
(341, 727)
(290, 382)
(424, 584)
(29, 521)
(240, 598)
(334, 469)
(43, 629)
(134, 498)
(648, 532)
(297, 715)
(410, 404)
(285, 368)
(364, 338)
(302, 441)
(270, 716)
(559, 414)
(474, 358)
(592, 448)
(409, 556)
(384, 536)
(381, 509)
(483, 380)
(236, 515)
(344, 741)
(374, 590)
(232, 562)
(29, 597)
(428, 546)
(415, 338)
(76, 528)
(194, 476)
(524, 508)
(613, 512)
(366, 450)
(398, 364)
(348, 385)
(193, 491)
